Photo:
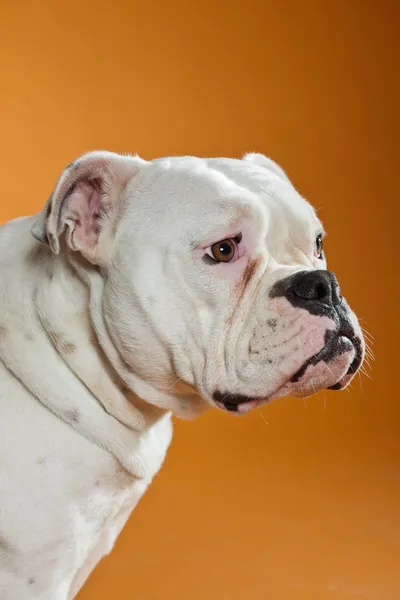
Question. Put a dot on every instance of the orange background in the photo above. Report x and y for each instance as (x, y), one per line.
(303, 500)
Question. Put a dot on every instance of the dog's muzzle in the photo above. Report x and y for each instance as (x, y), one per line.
(318, 292)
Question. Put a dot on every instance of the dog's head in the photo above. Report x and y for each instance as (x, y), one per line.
(215, 286)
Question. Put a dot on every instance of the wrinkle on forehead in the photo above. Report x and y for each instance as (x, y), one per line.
(285, 205)
(203, 197)
(188, 196)
(193, 178)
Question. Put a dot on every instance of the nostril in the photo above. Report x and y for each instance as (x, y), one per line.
(313, 288)
(322, 291)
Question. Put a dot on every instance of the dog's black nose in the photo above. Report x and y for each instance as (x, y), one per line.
(316, 286)
(316, 291)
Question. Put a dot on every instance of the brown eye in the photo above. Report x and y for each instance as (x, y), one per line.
(224, 251)
(319, 247)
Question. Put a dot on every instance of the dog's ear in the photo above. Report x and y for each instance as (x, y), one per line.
(85, 197)
(267, 163)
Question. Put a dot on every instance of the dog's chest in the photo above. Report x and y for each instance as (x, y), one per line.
(106, 493)
(106, 506)
(64, 500)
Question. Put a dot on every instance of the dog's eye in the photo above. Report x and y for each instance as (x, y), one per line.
(319, 247)
(225, 251)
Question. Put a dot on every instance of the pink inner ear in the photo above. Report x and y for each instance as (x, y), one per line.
(94, 202)
(81, 212)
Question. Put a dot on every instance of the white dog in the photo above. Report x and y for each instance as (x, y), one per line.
(145, 289)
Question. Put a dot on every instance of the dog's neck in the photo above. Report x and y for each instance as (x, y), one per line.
(67, 308)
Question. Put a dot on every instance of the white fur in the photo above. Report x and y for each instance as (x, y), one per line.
(111, 319)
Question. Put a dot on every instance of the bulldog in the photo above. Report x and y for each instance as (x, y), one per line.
(146, 289)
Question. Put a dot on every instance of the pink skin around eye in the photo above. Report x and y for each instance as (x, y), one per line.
(233, 269)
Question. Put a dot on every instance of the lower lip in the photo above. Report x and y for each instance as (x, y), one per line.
(247, 406)
(243, 408)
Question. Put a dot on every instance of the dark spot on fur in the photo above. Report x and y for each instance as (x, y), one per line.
(97, 483)
(50, 272)
(3, 330)
(38, 253)
(31, 581)
(28, 336)
(272, 323)
(42, 460)
(5, 546)
(72, 416)
(249, 272)
(60, 343)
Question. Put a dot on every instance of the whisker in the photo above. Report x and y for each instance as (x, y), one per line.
(173, 384)
(367, 334)
(369, 339)
(367, 361)
(278, 410)
(370, 357)
(263, 418)
(368, 350)
(367, 375)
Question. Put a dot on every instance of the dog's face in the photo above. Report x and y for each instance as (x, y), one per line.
(215, 283)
